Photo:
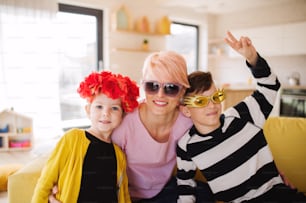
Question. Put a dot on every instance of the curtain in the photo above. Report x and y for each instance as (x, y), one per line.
(28, 60)
(29, 7)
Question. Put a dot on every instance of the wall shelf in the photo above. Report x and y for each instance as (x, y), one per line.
(133, 50)
(127, 54)
(217, 47)
(119, 42)
(134, 32)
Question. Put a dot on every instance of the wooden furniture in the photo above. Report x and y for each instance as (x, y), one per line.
(233, 96)
(16, 131)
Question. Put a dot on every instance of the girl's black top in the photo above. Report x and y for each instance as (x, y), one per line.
(99, 175)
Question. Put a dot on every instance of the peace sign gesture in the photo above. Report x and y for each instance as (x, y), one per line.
(243, 46)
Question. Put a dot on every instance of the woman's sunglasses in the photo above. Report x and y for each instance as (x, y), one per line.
(202, 101)
(170, 89)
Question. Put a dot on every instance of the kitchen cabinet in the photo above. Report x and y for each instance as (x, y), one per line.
(234, 96)
(276, 40)
(15, 131)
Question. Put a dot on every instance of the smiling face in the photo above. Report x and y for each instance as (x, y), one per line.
(105, 115)
(159, 102)
(206, 119)
(167, 72)
(205, 116)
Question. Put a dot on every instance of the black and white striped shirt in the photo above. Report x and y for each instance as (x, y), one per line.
(235, 158)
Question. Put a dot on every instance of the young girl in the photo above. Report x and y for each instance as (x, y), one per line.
(85, 164)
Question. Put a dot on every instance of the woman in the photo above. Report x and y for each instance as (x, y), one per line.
(149, 135)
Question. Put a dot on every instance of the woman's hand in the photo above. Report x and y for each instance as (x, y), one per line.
(243, 46)
(52, 198)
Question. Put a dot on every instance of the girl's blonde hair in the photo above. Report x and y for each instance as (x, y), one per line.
(167, 64)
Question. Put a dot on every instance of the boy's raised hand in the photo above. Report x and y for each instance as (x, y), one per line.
(243, 46)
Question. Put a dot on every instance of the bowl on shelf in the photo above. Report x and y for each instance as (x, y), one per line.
(4, 129)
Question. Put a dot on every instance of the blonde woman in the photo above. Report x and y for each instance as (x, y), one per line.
(149, 135)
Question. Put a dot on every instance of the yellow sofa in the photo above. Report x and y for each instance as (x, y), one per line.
(286, 137)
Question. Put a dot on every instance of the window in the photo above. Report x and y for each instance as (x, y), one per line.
(185, 40)
(80, 41)
(43, 57)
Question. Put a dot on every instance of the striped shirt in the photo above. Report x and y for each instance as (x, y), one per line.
(235, 158)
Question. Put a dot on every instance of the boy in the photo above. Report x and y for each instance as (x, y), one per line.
(230, 148)
(85, 164)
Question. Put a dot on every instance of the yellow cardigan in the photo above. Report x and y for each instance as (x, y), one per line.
(64, 168)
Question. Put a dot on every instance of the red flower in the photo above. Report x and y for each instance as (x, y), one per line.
(112, 85)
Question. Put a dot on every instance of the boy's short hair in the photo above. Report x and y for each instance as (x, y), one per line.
(199, 81)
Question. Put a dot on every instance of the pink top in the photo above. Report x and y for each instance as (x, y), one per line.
(149, 164)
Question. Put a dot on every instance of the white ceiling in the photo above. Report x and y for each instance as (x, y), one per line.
(218, 6)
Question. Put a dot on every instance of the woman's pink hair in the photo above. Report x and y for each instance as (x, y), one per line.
(167, 64)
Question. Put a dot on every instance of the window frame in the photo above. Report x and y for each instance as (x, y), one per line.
(197, 39)
(92, 12)
(98, 14)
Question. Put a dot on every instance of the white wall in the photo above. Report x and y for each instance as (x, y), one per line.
(130, 63)
(235, 71)
(295, 11)
(230, 70)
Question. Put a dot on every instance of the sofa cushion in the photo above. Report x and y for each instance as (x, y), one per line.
(22, 183)
(5, 171)
(286, 137)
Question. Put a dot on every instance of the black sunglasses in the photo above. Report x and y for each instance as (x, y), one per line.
(170, 89)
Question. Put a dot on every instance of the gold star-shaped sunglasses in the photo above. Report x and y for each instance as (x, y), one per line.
(202, 101)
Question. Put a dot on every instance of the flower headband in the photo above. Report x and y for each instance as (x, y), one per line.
(112, 85)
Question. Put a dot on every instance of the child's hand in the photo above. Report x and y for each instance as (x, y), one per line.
(243, 46)
(52, 198)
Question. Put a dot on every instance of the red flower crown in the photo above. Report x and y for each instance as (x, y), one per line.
(112, 85)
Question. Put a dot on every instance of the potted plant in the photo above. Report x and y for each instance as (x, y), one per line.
(145, 44)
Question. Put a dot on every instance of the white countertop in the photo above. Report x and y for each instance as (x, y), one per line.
(293, 87)
(245, 86)
(239, 86)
